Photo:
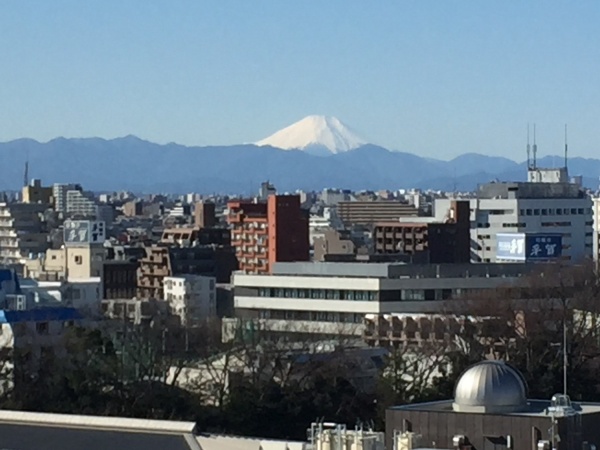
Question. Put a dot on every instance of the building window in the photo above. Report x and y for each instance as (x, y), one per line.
(78, 259)
(41, 328)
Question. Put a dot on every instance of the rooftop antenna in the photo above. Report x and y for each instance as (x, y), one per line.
(528, 149)
(26, 171)
(534, 150)
(566, 147)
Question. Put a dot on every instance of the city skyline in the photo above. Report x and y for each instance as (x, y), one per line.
(435, 79)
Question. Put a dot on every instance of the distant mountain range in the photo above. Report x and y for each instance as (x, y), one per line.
(133, 164)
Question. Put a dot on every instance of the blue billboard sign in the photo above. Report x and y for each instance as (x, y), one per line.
(528, 246)
(543, 246)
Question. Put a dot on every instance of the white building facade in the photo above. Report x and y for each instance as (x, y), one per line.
(191, 297)
(331, 300)
(541, 209)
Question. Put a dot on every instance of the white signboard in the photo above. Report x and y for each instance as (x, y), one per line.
(84, 232)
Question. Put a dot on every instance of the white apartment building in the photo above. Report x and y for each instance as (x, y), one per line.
(81, 203)
(546, 205)
(191, 297)
(22, 231)
(596, 214)
(329, 300)
(59, 193)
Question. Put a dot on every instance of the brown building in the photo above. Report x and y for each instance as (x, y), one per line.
(133, 208)
(34, 192)
(119, 280)
(204, 215)
(333, 242)
(199, 236)
(445, 242)
(490, 410)
(165, 261)
(370, 212)
(265, 233)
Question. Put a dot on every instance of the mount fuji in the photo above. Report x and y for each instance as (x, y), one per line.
(315, 153)
(317, 135)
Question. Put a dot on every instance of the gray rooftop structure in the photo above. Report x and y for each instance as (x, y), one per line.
(530, 190)
(396, 270)
(45, 431)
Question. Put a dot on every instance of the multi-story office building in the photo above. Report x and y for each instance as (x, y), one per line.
(370, 212)
(23, 231)
(446, 241)
(508, 219)
(192, 298)
(332, 299)
(265, 233)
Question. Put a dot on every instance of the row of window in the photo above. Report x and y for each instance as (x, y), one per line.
(321, 294)
(311, 316)
(344, 294)
(555, 211)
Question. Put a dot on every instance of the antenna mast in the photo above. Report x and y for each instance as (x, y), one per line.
(26, 173)
(528, 150)
(566, 147)
(534, 150)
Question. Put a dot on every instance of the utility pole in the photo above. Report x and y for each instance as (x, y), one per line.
(565, 359)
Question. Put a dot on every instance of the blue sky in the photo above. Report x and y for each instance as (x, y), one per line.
(436, 78)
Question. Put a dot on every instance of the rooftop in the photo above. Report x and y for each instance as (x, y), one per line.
(46, 431)
(400, 270)
(533, 408)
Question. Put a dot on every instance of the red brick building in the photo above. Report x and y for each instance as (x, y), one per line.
(265, 233)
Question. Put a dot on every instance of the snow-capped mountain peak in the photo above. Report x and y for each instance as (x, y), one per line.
(315, 134)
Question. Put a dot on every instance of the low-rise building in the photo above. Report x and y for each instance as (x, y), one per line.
(192, 298)
(332, 299)
(31, 321)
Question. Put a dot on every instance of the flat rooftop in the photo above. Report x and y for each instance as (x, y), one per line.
(534, 408)
(43, 431)
(401, 270)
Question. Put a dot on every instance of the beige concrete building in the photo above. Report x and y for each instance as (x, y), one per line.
(67, 263)
(370, 212)
(332, 242)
